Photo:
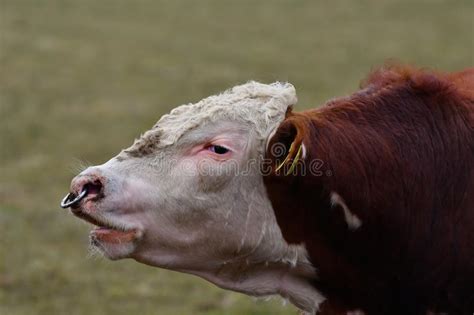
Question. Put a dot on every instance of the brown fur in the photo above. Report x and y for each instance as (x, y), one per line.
(400, 152)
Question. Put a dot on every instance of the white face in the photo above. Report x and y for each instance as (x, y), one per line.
(188, 195)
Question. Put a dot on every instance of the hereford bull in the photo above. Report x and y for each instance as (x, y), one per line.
(387, 216)
(189, 195)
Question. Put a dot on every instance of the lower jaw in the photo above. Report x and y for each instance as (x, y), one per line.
(113, 236)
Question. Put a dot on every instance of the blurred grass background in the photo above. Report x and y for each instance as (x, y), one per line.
(80, 79)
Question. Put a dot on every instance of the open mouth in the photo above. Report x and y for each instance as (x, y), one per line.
(107, 232)
(111, 235)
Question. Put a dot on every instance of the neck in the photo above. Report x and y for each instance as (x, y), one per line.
(289, 277)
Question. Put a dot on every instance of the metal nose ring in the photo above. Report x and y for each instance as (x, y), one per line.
(67, 202)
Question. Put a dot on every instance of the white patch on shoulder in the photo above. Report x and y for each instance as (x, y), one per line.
(303, 149)
(353, 222)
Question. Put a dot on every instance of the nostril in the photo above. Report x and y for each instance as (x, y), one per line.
(87, 186)
(94, 189)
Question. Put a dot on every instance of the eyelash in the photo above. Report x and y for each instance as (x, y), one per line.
(218, 149)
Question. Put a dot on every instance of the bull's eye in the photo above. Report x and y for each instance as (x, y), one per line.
(218, 149)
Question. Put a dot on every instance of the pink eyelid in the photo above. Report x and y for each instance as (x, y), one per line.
(206, 149)
(217, 156)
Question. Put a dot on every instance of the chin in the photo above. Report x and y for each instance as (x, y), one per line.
(111, 246)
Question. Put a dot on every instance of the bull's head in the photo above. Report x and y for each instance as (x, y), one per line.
(188, 195)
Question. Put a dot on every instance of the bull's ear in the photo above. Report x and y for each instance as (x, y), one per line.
(285, 148)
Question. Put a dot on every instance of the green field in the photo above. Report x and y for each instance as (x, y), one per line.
(80, 79)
